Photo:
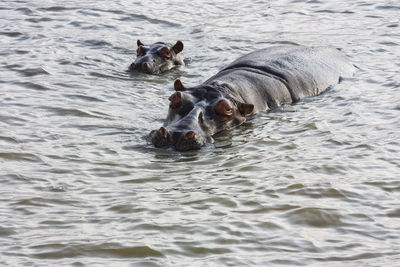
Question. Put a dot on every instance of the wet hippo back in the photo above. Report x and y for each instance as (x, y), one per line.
(277, 75)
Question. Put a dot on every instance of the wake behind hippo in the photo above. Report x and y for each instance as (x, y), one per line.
(259, 81)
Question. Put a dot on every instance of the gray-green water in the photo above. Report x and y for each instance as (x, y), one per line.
(315, 183)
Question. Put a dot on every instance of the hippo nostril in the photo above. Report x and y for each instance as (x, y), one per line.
(160, 137)
(146, 67)
(162, 132)
(132, 66)
(189, 141)
(190, 135)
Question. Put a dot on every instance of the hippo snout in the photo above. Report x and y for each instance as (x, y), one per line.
(181, 141)
(145, 67)
(160, 137)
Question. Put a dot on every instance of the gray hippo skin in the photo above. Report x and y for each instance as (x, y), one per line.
(259, 81)
(157, 57)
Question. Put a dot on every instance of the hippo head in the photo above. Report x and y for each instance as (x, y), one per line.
(195, 115)
(157, 57)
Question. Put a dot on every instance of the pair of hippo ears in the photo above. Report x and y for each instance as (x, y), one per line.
(177, 48)
(223, 107)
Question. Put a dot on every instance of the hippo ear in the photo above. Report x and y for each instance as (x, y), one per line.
(224, 108)
(178, 86)
(139, 51)
(139, 43)
(245, 109)
(178, 47)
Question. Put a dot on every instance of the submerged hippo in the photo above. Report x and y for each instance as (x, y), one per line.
(157, 57)
(259, 81)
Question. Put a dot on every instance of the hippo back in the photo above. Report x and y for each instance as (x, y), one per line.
(303, 71)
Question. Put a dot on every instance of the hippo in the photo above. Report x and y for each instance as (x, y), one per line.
(259, 81)
(157, 57)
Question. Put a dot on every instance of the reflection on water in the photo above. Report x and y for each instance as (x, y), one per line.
(310, 183)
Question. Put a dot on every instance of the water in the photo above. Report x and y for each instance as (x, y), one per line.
(315, 183)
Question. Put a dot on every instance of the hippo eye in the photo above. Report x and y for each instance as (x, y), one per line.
(175, 100)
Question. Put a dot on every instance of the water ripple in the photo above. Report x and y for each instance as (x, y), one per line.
(58, 251)
(315, 217)
(32, 85)
(15, 156)
(29, 72)
(4, 231)
(11, 34)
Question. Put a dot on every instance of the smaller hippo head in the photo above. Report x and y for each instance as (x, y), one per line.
(195, 115)
(157, 57)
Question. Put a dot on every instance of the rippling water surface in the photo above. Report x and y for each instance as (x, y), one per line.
(314, 183)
